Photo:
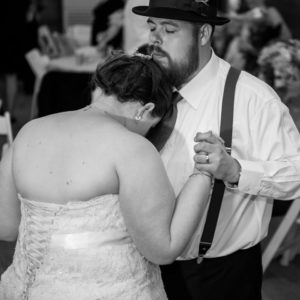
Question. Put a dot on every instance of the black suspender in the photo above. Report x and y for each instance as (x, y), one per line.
(219, 187)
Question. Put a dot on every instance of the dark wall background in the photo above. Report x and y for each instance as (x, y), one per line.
(51, 14)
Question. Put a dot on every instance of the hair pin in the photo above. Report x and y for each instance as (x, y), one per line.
(145, 56)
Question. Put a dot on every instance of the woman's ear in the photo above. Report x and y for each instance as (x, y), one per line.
(144, 111)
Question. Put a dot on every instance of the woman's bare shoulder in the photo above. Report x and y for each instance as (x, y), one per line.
(136, 144)
(33, 127)
(28, 129)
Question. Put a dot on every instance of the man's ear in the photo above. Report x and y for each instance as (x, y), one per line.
(144, 111)
(205, 34)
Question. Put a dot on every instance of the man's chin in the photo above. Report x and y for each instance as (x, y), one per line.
(162, 60)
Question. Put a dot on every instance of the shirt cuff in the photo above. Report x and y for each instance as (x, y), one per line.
(250, 177)
(231, 186)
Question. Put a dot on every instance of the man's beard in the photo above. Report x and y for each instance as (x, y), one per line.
(179, 72)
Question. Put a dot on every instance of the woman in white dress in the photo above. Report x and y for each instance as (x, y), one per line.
(88, 197)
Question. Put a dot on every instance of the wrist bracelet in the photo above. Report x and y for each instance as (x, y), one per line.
(202, 173)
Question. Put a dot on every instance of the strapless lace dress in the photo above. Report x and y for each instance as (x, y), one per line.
(79, 251)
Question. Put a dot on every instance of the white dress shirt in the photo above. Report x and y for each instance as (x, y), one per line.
(265, 141)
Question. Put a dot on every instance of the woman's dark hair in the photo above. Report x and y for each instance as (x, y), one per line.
(135, 78)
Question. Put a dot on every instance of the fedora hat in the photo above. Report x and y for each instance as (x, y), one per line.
(197, 11)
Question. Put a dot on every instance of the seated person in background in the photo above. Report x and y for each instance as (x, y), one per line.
(107, 25)
(243, 50)
(279, 65)
(96, 212)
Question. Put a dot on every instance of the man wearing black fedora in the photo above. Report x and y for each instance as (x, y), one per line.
(256, 159)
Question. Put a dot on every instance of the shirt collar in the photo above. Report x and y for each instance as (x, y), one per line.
(191, 91)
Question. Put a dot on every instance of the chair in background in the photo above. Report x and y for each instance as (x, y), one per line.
(6, 131)
(6, 248)
(286, 239)
(38, 63)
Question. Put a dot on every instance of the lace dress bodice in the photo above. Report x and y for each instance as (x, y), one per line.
(80, 250)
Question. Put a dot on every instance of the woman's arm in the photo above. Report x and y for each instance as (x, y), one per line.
(159, 226)
(10, 214)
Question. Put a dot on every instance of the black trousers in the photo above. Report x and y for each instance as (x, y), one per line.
(237, 276)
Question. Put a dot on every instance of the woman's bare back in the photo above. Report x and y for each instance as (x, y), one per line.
(70, 156)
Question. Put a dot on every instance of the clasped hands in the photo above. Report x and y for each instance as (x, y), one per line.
(211, 156)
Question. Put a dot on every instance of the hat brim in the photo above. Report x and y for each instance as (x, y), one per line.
(176, 14)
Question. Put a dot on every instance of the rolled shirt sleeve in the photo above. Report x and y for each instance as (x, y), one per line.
(276, 142)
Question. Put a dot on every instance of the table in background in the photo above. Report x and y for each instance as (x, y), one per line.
(64, 86)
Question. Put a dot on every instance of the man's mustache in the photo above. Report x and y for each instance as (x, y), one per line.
(150, 49)
(154, 49)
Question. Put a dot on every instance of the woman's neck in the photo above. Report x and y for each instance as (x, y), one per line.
(110, 107)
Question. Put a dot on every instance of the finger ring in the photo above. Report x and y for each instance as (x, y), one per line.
(206, 159)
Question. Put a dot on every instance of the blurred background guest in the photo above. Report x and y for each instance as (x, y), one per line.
(254, 23)
(243, 50)
(224, 34)
(18, 33)
(280, 67)
(258, 9)
(107, 25)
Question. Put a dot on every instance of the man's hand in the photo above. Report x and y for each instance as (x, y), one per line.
(211, 156)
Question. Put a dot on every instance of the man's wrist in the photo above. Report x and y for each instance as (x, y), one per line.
(234, 180)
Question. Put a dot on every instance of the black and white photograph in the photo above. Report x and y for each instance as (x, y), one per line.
(150, 150)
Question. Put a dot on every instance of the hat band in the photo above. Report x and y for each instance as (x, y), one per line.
(167, 3)
(198, 7)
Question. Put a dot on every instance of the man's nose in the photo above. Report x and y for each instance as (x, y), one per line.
(155, 38)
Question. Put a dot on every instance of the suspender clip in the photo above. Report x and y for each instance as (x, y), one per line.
(199, 259)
